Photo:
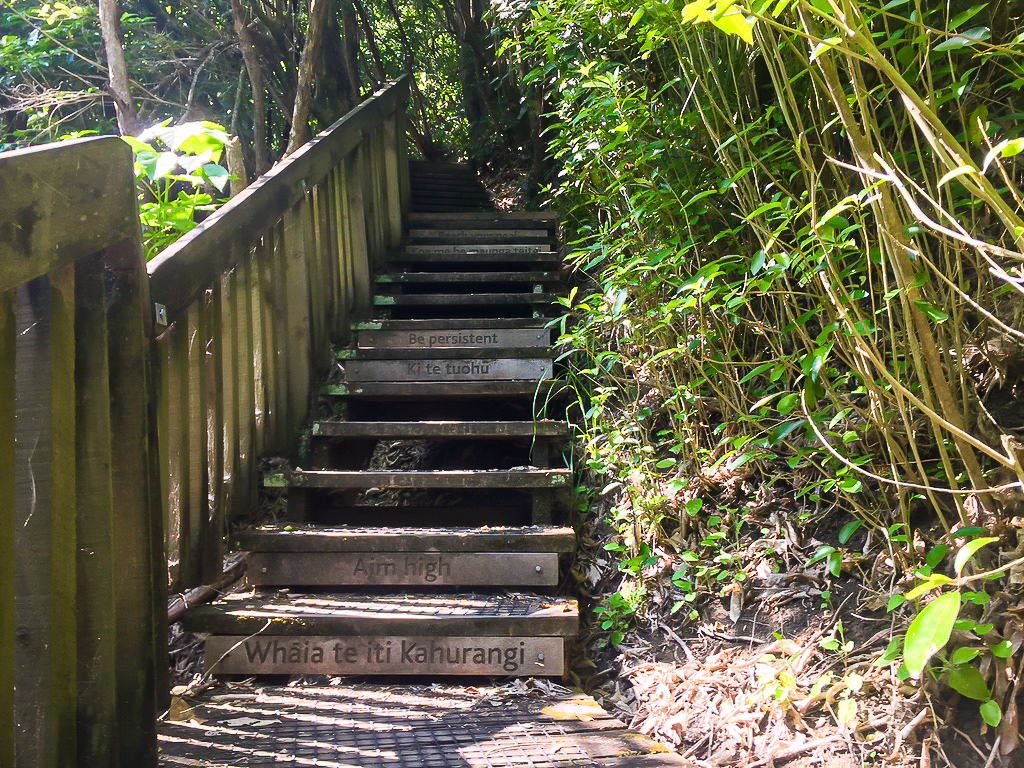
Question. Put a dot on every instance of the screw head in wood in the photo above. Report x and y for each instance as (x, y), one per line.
(537, 568)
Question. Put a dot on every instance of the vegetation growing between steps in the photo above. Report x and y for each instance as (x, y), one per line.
(797, 335)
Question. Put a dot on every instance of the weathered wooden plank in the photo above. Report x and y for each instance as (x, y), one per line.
(490, 478)
(264, 312)
(475, 233)
(385, 655)
(298, 341)
(393, 182)
(484, 219)
(174, 447)
(97, 568)
(450, 389)
(277, 309)
(465, 259)
(477, 249)
(213, 519)
(436, 615)
(438, 369)
(455, 324)
(181, 272)
(45, 675)
(414, 569)
(416, 430)
(391, 539)
(195, 506)
(140, 576)
(473, 338)
(8, 394)
(461, 299)
(61, 201)
(246, 364)
(404, 278)
(359, 244)
(413, 516)
(444, 353)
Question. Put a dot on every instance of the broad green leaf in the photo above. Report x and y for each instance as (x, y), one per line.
(991, 713)
(964, 39)
(1007, 148)
(218, 175)
(166, 162)
(968, 550)
(696, 11)
(1002, 650)
(733, 22)
(929, 631)
(965, 16)
(968, 681)
(963, 655)
(787, 403)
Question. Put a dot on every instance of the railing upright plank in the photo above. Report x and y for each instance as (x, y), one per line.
(296, 278)
(393, 181)
(7, 527)
(196, 458)
(216, 403)
(277, 276)
(246, 334)
(45, 677)
(97, 569)
(232, 385)
(355, 222)
(138, 540)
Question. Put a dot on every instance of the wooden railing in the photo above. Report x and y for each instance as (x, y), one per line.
(247, 305)
(134, 411)
(82, 600)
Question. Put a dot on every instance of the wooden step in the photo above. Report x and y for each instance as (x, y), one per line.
(486, 219)
(463, 338)
(439, 430)
(476, 233)
(461, 299)
(463, 634)
(476, 249)
(416, 478)
(408, 557)
(453, 324)
(407, 278)
(309, 538)
(386, 390)
(464, 258)
(420, 516)
(445, 353)
(446, 369)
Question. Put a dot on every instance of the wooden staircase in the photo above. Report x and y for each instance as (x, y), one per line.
(448, 568)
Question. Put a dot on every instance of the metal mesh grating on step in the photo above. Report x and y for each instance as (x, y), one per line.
(375, 726)
(314, 605)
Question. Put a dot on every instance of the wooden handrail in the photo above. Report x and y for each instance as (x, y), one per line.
(62, 201)
(181, 272)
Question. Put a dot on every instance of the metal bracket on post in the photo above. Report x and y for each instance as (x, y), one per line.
(160, 313)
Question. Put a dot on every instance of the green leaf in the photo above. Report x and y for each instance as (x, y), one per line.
(787, 403)
(1007, 148)
(166, 162)
(968, 550)
(968, 681)
(991, 713)
(929, 631)
(848, 530)
(218, 175)
(733, 22)
(846, 711)
(1002, 650)
(894, 602)
(933, 581)
(936, 314)
(964, 39)
(963, 655)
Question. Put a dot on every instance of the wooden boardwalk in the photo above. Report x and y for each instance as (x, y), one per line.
(515, 726)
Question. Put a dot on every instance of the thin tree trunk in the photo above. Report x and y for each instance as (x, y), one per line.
(120, 89)
(259, 105)
(371, 41)
(304, 88)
